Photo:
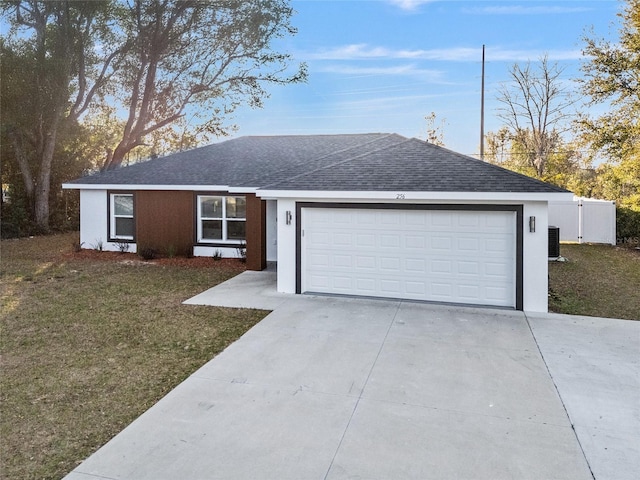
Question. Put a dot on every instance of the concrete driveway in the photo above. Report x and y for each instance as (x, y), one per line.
(338, 388)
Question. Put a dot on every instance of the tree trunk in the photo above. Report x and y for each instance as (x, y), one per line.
(41, 206)
(116, 158)
(25, 170)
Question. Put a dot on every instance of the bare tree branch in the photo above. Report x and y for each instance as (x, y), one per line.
(534, 108)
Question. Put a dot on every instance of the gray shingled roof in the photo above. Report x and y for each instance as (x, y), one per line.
(359, 162)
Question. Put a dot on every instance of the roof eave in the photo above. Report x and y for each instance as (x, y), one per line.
(417, 196)
(191, 188)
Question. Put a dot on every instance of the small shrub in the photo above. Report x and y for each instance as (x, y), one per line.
(98, 246)
(171, 251)
(147, 253)
(14, 216)
(628, 226)
(242, 252)
(77, 246)
(123, 247)
(217, 255)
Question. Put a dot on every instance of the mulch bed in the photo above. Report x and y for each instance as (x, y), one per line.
(132, 259)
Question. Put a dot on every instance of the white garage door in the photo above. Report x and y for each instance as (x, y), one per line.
(449, 256)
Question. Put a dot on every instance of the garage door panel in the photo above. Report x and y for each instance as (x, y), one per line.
(341, 239)
(390, 288)
(495, 245)
(365, 240)
(416, 265)
(441, 291)
(441, 219)
(318, 260)
(441, 243)
(467, 246)
(390, 241)
(415, 241)
(497, 270)
(440, 267)
(366, 285)
(321, 239)
(345, 261)
(495, 293)
(391, 265)
(468, 220)
(386, 220)
(449, 256)
(468, 268)
(468, 292)
(366, 263)
(419, 289)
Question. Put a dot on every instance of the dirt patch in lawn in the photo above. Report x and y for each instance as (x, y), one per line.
(90, 340)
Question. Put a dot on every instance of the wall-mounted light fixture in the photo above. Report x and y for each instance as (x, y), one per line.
(288, 217)
(532, 224)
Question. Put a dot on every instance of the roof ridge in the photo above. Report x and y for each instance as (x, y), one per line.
(404, 140)
(314, 135)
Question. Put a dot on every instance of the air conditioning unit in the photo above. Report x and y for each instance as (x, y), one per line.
(554, 242)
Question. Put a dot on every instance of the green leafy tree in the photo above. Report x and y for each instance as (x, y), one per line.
(157, 57)
(612, 77)
(51, 72)
(566, 166)
(213, 55)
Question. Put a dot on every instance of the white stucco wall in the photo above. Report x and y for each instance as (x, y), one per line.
(286, 246)
(535, 249)
(93, 217)
(225, 252)
(272, 231)
(535, 263)
(93, 222)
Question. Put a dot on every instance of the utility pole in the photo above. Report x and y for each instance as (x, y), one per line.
(482, 110)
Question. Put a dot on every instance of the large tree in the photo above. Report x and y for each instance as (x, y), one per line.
(209, 55)
(156, 59)
(612, 77)
(51, 73)
(535, 108)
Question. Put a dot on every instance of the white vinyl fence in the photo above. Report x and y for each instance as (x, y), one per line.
(584, 220)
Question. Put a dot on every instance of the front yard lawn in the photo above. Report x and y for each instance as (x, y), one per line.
(597, 280)
(91, 340)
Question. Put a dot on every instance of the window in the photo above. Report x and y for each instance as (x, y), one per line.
(221, 219)
(121, 221)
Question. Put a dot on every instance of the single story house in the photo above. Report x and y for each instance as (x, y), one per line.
(375, 215)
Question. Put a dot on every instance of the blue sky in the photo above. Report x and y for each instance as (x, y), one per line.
(383, 65)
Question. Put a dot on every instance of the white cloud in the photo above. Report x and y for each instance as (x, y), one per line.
(409, 4)
(362, 51)
(506, 55)
(395, 70)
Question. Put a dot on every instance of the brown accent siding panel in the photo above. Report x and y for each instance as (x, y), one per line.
(256, 233)
(164, 221)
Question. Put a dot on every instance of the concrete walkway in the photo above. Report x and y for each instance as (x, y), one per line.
(339, 388)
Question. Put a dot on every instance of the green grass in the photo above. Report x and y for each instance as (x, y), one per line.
(597, 280)
(89, 342)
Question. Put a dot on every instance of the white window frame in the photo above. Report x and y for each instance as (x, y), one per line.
(223, 219)
(112, 216)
